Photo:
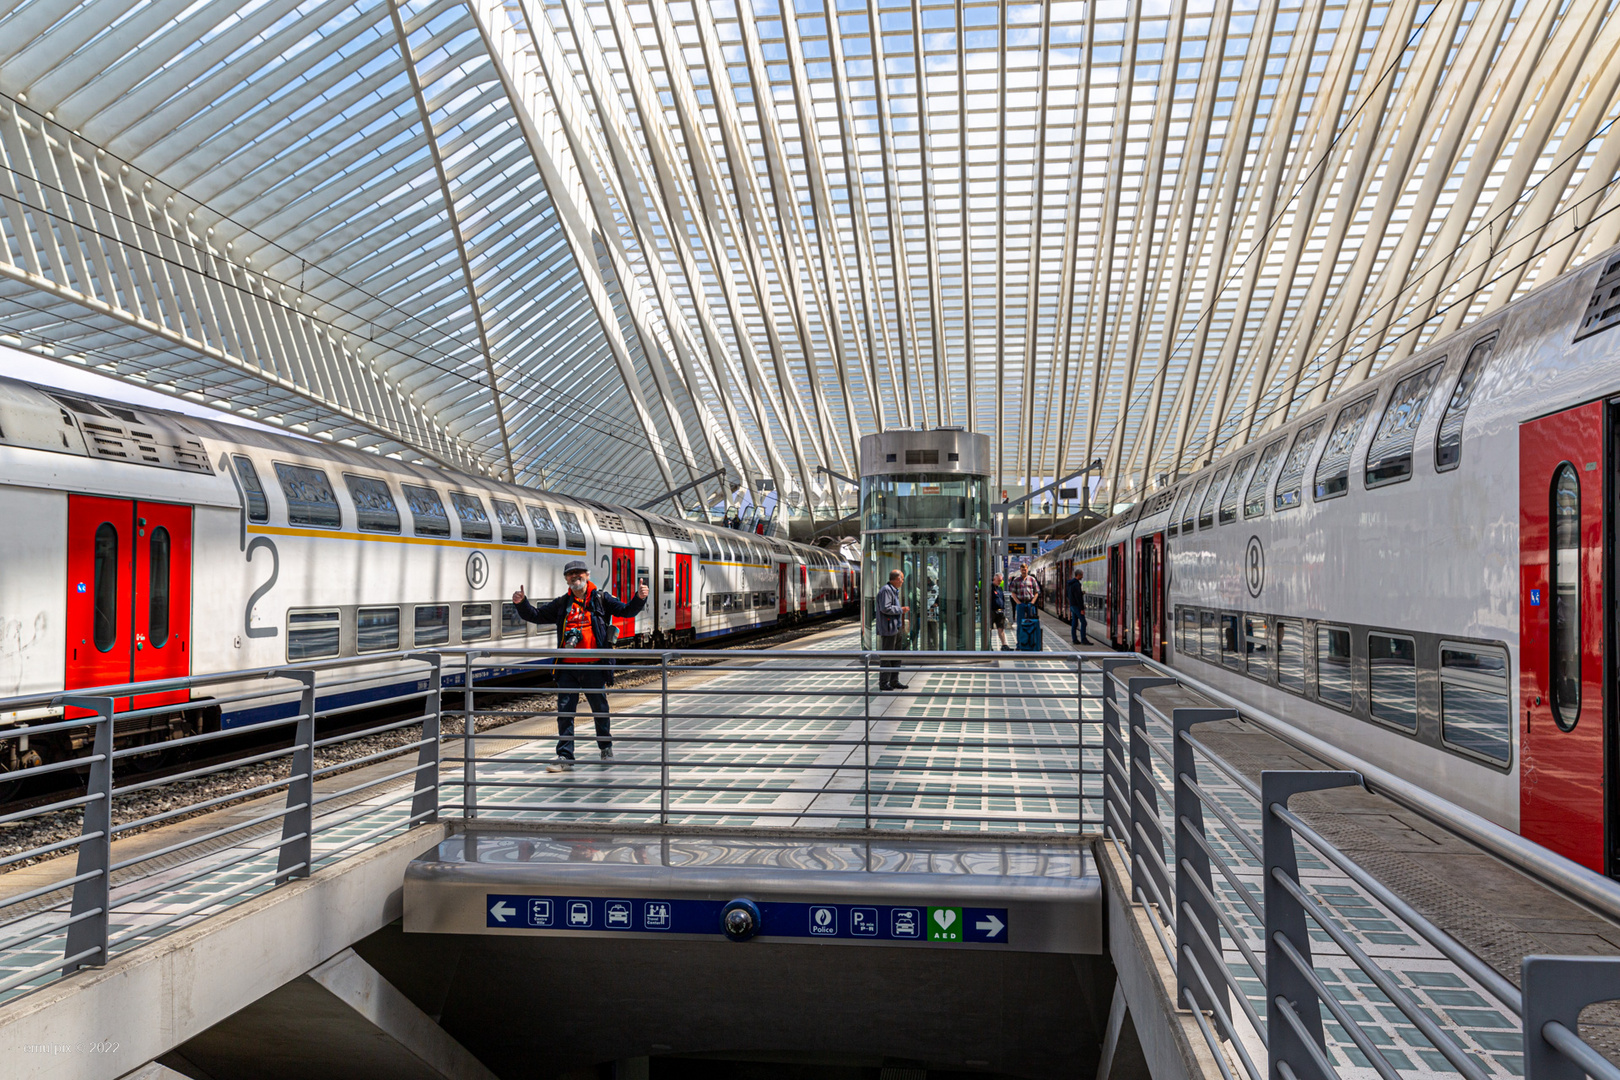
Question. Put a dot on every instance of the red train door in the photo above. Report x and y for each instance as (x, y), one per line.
(781, 589)
(683, 592)
(1150, 595)
(129, 594)
(624, 587)
(1118, 631)
(1561, 757)
(804, 588)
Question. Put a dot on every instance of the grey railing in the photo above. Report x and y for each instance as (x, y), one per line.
(691, 729)
(687, 752)
(1157, 769)
(288, 829)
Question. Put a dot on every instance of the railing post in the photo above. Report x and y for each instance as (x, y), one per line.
(1287, 989)
(92, 898)
(298, 821)
(1079, 743)
(1144, 790)
(469, 743)
(663, 739)
(1556, 989)
(425, 803)
(1116, 775)
(1192, 869)
(866, 740)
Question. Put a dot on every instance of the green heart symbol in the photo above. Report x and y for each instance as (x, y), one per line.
(944, 916)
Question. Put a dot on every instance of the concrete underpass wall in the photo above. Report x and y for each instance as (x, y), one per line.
(538, 1007)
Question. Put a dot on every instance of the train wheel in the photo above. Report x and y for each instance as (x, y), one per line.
(151, 759)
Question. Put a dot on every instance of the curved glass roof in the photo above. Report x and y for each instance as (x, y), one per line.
(611, 246)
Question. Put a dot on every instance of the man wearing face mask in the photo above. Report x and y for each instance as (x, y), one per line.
(581, 618)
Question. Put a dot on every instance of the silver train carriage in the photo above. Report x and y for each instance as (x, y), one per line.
(141, 544)
(1416, 570)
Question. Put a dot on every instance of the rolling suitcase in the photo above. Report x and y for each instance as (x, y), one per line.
(1029, 632)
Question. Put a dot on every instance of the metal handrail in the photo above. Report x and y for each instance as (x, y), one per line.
(1569, 877)
(1295, 994)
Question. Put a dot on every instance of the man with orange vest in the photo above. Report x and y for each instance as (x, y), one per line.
(581, 618)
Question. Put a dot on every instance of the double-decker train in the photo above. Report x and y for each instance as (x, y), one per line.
(141, 544)
(1416, 570)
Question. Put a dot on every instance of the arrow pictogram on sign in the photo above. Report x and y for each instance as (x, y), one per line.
(501, 911)
(989, 925)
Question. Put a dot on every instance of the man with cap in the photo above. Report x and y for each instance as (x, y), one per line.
(581, 618)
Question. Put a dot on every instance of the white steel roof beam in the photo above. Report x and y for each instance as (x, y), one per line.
(453, 220)
(540, 128)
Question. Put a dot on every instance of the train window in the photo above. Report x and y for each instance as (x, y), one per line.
(1191, 511)
(377, 629)
(1389, 458)
(258, 507)
(1565, 590)
(432, 624)
(310, 498)
(1475, 711)
(106, 581)
(1173, 526)
(1333, 684)
(427, 511)
(1290, 651)
(511, 519)
(1448, 443)
(669, 579)
(1333, 471)
(1206, 509)
(373, 504)
(1209, 637)
(1257, 646)
(572, 533)
(475, 624)
(157, 588)
(474, 519)
(312, 635)
(1189, 632)
(1254, 500)
(1229, 498)
(1231, 644)
(545, 532)
(1392, 679)
(1291, 479)
(512, 624)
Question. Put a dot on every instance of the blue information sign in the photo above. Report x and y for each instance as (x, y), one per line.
(871, 922)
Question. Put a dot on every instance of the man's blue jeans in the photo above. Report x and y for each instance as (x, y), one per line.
(1077, 624)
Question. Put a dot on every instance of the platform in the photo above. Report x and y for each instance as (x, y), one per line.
(876, 825)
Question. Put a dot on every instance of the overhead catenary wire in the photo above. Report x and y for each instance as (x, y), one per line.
(1261, 242)
(605, 479)
(1465, 298)
(627, 430)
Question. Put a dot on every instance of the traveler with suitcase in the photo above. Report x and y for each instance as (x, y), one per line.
(1026, 591)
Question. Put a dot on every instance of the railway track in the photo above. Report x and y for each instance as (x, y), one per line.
(216, 789)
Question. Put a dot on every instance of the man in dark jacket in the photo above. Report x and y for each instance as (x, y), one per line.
(581, 618)
(1077, 609)
(891, 628)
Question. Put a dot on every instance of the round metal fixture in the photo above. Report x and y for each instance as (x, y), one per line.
(740, 919)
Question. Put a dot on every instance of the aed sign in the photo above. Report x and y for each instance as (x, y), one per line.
(778, 919)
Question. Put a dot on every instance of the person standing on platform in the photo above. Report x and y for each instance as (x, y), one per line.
(1077, 609)
(891, 629)
(1026, 590)
(998, 611)
(581, 617)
